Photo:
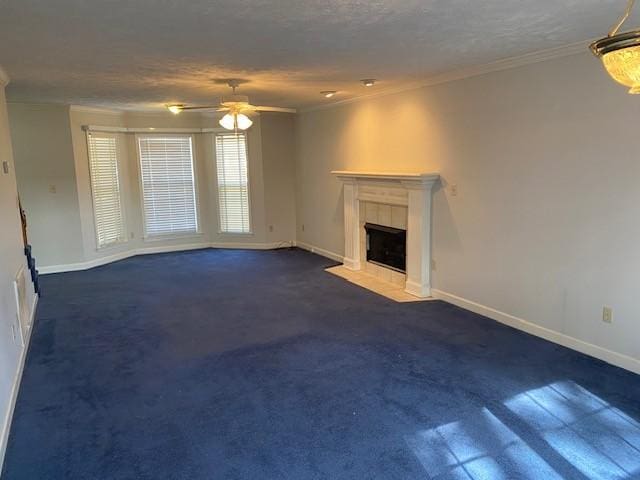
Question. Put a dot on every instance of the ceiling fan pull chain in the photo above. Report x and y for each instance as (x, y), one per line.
(623, 19)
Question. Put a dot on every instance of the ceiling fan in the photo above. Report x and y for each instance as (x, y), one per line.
(237, 106)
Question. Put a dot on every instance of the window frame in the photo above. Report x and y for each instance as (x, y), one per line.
(217, 185)
(146, 237)
(119, 168)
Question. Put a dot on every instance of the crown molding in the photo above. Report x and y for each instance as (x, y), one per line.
(4, 77)
(95, 110)
(463, 73)
(139, 113)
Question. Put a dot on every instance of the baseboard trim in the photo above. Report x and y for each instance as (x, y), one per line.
(74, 267)
(353, 265)
(417, 289)
(6, 424)
(614, 358)
(320, 251)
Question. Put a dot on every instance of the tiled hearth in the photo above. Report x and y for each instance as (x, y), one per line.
(364, 279)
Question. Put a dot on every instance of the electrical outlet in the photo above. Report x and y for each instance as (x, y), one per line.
(454, 190)
(607, 314)
(5, 167)
(52, 189)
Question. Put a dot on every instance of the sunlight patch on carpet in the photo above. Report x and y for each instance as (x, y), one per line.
(480, 447)
(600, 441)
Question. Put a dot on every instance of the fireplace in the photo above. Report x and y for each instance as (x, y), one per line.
(408, 190)
(387, 246)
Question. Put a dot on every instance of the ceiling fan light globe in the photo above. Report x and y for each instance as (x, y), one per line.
(243, 121)
(228, 122)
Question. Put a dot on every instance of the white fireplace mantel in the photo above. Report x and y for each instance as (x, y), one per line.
(412, 190)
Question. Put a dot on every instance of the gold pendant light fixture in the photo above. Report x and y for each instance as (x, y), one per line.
(620, 53)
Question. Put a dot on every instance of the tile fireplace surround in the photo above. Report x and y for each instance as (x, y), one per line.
(411, 190)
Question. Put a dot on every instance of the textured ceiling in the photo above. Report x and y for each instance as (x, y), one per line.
(140, 54)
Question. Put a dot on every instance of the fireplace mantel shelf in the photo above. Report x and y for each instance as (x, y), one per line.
(398, 177)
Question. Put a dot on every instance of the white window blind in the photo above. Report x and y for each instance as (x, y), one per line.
(233, 185)
(105, 189)
(168, 186)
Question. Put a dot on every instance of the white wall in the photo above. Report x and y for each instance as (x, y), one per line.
(546, 159)
(46, 180)
(12, 259)
(71, 161)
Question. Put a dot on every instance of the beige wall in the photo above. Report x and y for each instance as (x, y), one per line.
(46, 181)
(546, 159)
(278, 158)
(67, 141)
(12, 259)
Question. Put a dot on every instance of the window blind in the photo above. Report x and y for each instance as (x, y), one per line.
(168, 186)
(105, 189)
(233, 185)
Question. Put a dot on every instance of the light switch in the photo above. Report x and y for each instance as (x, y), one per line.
(52, 189)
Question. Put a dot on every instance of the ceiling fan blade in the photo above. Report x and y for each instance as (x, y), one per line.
(274, 109)
(206, 107)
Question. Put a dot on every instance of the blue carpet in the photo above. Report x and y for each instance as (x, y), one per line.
(220, 364)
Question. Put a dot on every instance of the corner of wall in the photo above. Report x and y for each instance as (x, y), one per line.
(4, 77)
(12, 261)
(278, 158)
